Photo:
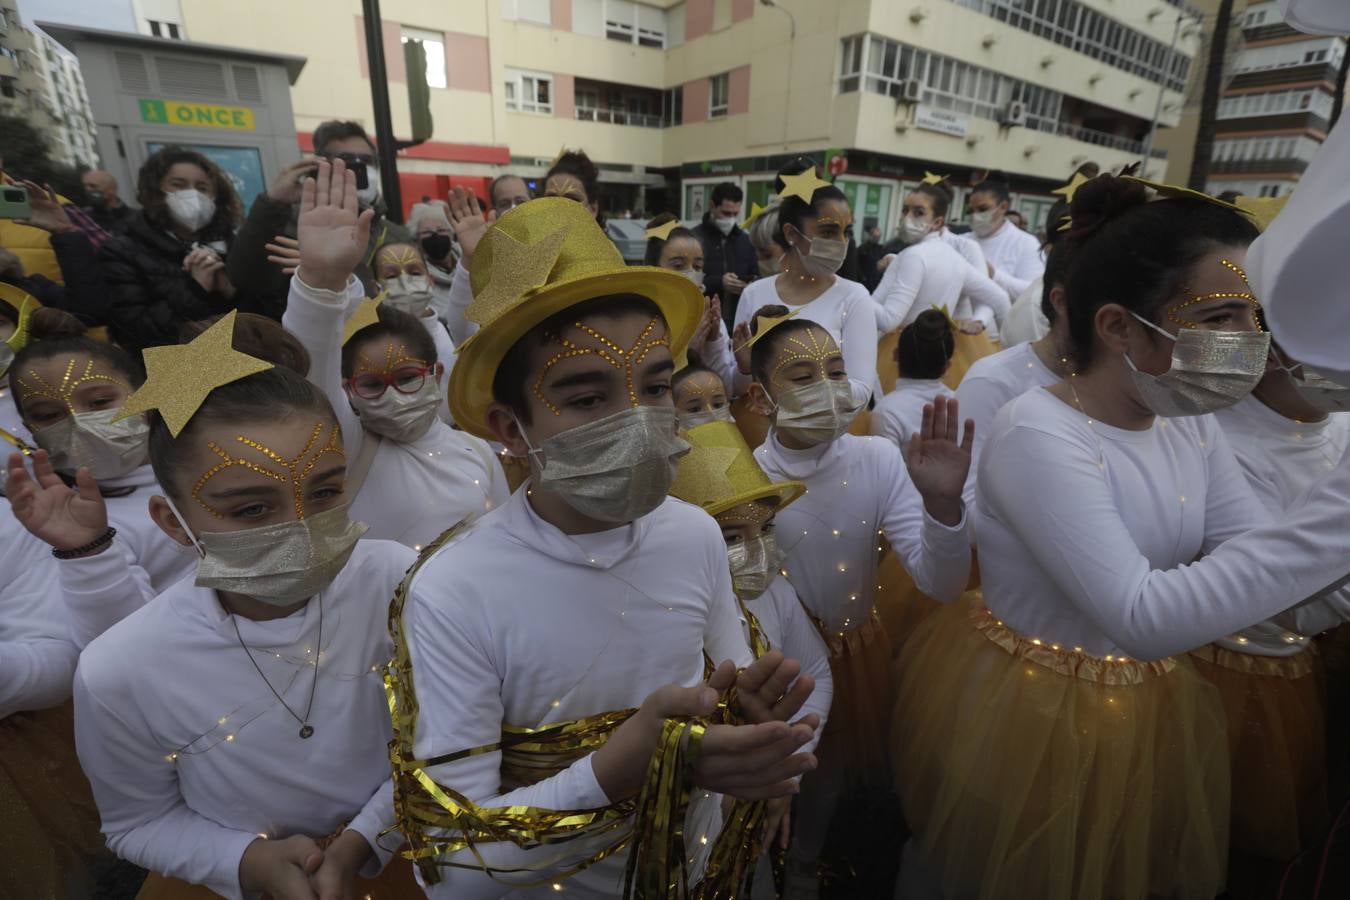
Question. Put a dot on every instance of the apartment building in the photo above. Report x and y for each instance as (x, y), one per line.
(670, 97)
(73, 133)
(40, 82)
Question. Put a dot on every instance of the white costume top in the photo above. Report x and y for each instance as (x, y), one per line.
(929, 274)
(412, 491)
(515, 623)
(900, 413)
(142, 562)
(10, 420)
(191, 756)
(1282, 460)
(788, 628)
(1016, 257)
(989, 384)
(1089, 534)
(37, 658)
(858, 487)
(1025, 321)
(970, 251)
(845, 310)
(457, 302)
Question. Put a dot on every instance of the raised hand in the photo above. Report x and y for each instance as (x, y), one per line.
(707, 326)
(62, 516)
(332, 232)
(466, 216)
(740, 344)
(285, 187)
(937, 463)
(285, 252)
(48, 214)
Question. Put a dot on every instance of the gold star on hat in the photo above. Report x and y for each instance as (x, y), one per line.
(367, 313)
(1067, 191)
(933, 178)
(755, 212)
(720, 472)
(1262, 210)
(804, 185)
(662, 232)
(178, 378)
(517, 267)
(767, 324)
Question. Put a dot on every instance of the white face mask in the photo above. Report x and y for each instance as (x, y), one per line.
(368, 195)
(984, 223)
(1210, 370)
(695, 276)
(824, 256)
(408, 293)
(92, 439)
(402, 418)
(817, 413)
(754, 565)
(688, 420)
(724, 224)
(190, 208)
(913, 230)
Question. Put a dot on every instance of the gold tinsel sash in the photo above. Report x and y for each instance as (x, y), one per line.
(438, 822)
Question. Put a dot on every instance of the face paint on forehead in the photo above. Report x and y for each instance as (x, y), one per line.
(399, 255)
(296, 470)
(395, 356)
(700, 386)
(805, 345)
(831, 220)
(609, 351)
(1172, 312)
(37, 386)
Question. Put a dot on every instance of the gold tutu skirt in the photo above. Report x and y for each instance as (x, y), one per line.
(49, 835)
(901, 606)
(1027, 770)
(396, 882)
(1276, 735)
(855, 733)
(969, 347)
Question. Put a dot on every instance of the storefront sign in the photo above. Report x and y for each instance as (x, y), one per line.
(196, 115)
(941, 120)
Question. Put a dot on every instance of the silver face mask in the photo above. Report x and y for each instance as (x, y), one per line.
(190, 208)
(92, 439)
(695, 276)
(1210, 370)
(614, 469)
(824, 256)
(754, 565)
(408, 293)
(401, 417)
(818, 412)
(688, 420)
(1316, 390)
(279, 565)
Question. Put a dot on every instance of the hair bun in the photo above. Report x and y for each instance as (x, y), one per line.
(795, 167)
(932, 325)
(48, 324)
(1101, 200)
(772, 311)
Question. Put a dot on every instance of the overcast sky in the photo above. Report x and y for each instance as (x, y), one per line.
(114, 15)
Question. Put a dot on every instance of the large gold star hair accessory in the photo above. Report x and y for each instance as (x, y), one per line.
(755, 212)
(933, 178)
(1068, 190)
(1177, 192)
(367, 313)
(662, 232)
(767, 324)
(179, 377)
(804, 185)
(517, 268)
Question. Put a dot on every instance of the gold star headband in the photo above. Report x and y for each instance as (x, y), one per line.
(662, 232)
(804, 185)
(1177, 192)
(180, 377)
(367, 313)
(755, 212)
(933, 178)
(1067, 191)
(766, 325)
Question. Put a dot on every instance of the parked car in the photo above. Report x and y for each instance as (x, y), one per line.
(629, 235)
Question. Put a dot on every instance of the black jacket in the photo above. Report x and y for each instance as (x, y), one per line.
(115, 220)
(150, 297)
(724, 253)
(83, 294)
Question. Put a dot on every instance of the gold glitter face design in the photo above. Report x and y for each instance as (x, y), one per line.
(1174, 311)
(746, 514)
(700, 392)
(625, 360)
(396, 356)
(294, 471)
(568, 186)
(393, 260)
(812, 345)
(34, 386)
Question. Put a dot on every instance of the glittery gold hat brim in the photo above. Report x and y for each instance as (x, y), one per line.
(785, 491)
(26, 304)
(470, 389)
(720, 472)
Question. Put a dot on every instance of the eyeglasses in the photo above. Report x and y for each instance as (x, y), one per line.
(351, 159)
(372, 385)
(505, 206)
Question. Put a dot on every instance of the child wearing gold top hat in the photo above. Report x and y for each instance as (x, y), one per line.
(858, 489)
(549, 669)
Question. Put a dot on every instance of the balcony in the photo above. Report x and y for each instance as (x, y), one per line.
(1288, 121)
(1300, 73)
(1105, 139)
(623, 104)
(617, 117)
(1288, 165)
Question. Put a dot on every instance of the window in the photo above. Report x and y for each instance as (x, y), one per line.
(530, 92)
(164, 29)
(433, 42)
(634, 23)
(717, 95)
(536, 11)
(672, 107)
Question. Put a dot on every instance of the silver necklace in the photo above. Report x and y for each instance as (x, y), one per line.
(306, 729)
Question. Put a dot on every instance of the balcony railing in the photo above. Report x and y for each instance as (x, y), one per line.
(1255, 166)
(1106, 139)
(618, 117)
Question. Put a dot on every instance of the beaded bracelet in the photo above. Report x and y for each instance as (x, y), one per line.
(98, 543)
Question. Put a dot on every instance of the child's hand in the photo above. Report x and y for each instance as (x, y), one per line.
(63, 517)
(332, 231)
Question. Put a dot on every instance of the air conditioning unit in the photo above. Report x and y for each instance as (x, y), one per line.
(1015, 113)
(903, 116)
(911, 90)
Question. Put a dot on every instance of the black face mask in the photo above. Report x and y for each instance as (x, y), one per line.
(436, 246)
(97, 200)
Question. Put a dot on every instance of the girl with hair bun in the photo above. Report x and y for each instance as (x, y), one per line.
(922, 355)
(1055, 741)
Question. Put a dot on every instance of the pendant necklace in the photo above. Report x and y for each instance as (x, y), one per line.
(306, 729)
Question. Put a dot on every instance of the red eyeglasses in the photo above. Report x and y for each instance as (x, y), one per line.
(372, 385)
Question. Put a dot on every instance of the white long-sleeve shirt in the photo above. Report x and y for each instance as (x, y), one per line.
(931, 275)
(1089, 534)
(412, 491)
(143, 561)
(10, 420)
(900, 413)
(989, 384)
(37, 657)
(1283, 460)
(855, 488)
(457, 303)
(1025, 322)
(1016, 257)
(515, 623)
(844, 310)
(788, 628)
(191, 756)
(970, 251)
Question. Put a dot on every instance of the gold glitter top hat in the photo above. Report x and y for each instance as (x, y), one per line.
(179, 377)
(720, 472)
(535, 261)
(26, 304)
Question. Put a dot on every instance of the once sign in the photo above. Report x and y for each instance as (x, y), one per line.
(197, 115)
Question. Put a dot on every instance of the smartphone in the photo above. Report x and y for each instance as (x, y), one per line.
(14, 202)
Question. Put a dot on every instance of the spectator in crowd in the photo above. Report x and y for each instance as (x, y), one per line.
(507, 192)
(169, 266)
(729, 259)
(1017, 219)
(869, 254)
(81, 291)
(431, 228)
(105, 205)
(575, 177)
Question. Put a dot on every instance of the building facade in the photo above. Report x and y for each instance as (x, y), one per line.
(41, 82)
(670, 97)
(73, 132)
